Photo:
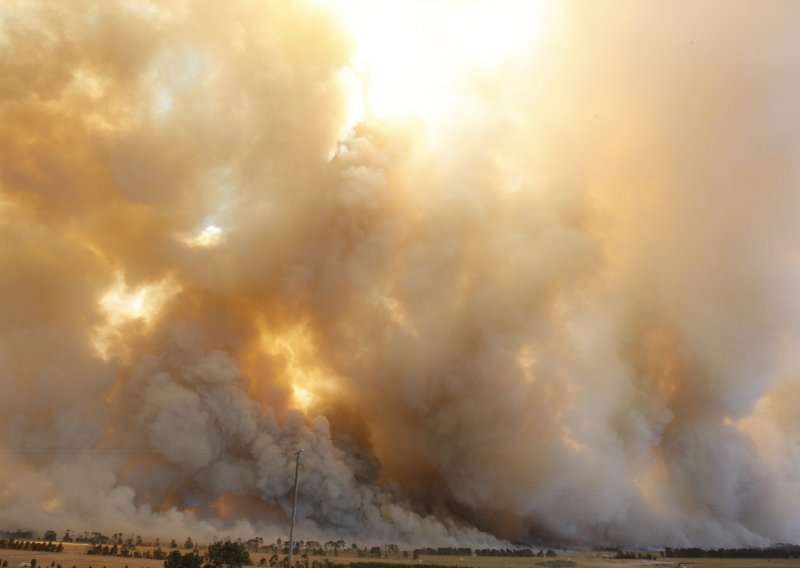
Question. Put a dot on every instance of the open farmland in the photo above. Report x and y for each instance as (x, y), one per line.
(74, 555)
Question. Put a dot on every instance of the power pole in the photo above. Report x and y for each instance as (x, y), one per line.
(294, 506)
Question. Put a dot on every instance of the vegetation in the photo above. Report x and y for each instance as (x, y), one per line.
(442, 551)
(177, 560)
(229, 554)
(34, 545)
(235, 554)
(125, 551)
(620, 555)
(778, 551)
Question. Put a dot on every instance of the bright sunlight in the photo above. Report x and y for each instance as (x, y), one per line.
(413, 59)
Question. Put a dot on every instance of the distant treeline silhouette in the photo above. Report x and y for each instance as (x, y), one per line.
(39, 546)
(126, 552)
(625, 555)
(504, 552)
(779, 551)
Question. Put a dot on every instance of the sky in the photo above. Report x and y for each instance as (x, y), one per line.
(505, 271)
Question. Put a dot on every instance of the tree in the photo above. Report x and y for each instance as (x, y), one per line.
(173, 544)
(230, 554)
(189, 543)
(50, 535)
(177, 560)
(173, 560)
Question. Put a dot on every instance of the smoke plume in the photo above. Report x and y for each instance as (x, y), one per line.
(566, 312)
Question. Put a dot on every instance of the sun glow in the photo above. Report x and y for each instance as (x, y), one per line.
(51, 504)
(416, 59)
(122, 306)
(302, 397)
(210, 237)
(295, 355)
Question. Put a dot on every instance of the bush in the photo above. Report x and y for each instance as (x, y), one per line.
(231, 554)
(177, 560)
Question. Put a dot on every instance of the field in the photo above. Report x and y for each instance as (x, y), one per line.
(74, 555)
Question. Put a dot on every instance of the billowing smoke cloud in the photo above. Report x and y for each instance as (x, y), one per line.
(568, 316)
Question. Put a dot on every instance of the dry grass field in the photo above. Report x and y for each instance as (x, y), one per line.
(74, 555)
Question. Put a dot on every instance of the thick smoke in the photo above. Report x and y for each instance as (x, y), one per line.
(569, 316)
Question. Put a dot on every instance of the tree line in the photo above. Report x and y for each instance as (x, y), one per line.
(119, 545)
(38, 546)
(778, 551)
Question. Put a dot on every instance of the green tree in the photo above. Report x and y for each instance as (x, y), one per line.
(230, 554)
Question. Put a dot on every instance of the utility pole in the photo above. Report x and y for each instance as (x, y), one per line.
(294, 506)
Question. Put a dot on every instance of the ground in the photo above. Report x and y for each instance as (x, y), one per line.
(74, 556)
